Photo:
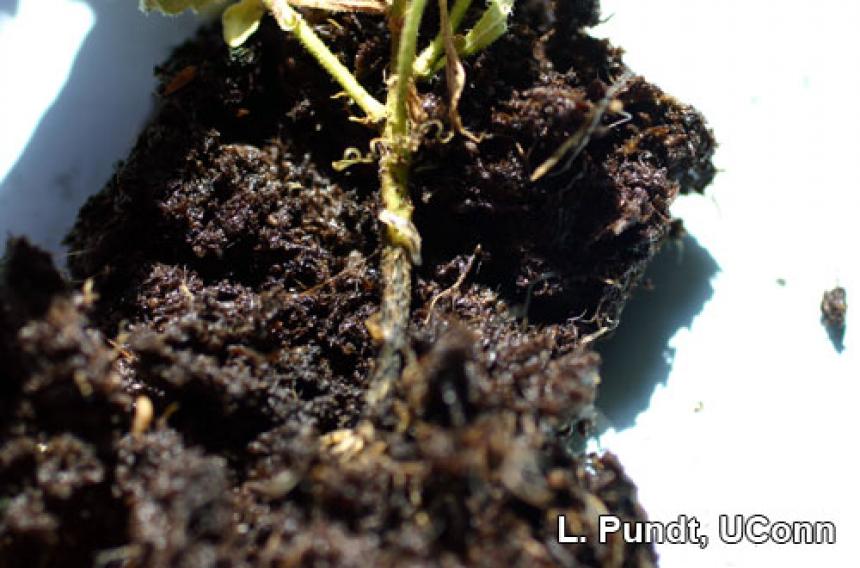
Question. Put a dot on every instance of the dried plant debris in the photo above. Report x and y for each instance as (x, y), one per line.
(200, 401)
(834, 305)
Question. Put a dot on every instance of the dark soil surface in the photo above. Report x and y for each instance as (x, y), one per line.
(225, 278)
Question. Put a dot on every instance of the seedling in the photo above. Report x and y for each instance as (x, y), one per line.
(399, 131)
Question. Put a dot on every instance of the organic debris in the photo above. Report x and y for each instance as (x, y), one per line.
(834, 305)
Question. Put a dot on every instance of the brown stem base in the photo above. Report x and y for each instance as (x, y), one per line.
(396, 269)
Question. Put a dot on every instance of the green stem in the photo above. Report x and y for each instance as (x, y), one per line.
(425, 64)
(405, 58)
(291, 21)
(402, 243)
(394, 163)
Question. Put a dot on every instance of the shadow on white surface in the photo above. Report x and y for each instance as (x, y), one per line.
(637, 357)
(92, 122)
(8, 8)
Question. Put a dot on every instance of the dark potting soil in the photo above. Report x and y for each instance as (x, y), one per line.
(834, 306)
(225, 280)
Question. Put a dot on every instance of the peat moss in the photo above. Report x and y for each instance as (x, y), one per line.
(235, 272)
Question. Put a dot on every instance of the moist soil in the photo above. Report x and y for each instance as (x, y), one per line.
(193, 393)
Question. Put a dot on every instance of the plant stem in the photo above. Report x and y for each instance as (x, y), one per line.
(425, 64)
(405, 58)
(402, 243)
(396, 271)
(404, 18)
(492, 25)
(291, 21)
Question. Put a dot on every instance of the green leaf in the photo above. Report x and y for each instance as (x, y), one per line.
(173, 7)
(492, 25)
(241, 20)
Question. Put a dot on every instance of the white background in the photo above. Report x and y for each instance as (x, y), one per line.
(757, 413)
